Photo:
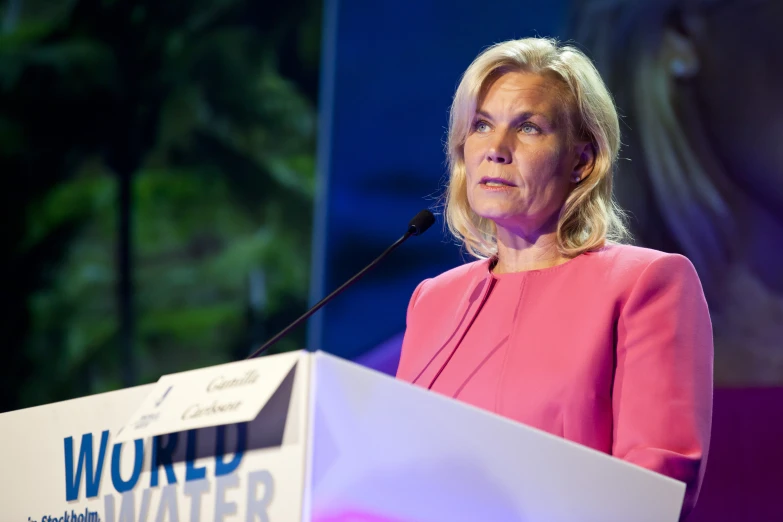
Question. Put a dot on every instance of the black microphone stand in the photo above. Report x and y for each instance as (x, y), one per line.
(421, 222)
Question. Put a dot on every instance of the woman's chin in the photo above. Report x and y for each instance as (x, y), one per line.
(500, 216)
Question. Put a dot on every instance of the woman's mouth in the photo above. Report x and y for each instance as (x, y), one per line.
(496, 183)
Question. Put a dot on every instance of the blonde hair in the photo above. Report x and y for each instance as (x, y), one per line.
(589, 216)
(668, 185)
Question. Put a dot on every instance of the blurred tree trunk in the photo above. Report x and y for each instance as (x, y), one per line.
(125, 279)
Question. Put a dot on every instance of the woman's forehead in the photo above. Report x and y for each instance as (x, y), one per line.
(525, 92)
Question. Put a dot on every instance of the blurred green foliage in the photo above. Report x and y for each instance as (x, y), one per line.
(188, 98)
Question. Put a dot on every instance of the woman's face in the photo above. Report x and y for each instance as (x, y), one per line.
(739, 87)
(519, 161)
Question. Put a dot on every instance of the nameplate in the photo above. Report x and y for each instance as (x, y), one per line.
(214, 396)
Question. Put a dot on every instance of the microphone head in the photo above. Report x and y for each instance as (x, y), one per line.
(421, 222)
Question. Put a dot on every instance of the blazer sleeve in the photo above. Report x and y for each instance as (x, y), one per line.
(662, 392)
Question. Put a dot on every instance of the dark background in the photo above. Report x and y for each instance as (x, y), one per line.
(158, 160)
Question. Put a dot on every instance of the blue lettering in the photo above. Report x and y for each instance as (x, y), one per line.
(224, 468)
(191, 471)
(167, 509)
(223, 508)
(162, 455)
(194, 490)
(257, 507)
(108, 508)
(138, 459)
(92, 476)
(127, 507)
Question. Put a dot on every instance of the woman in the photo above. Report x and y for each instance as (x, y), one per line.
(699, 83)
(557, 326)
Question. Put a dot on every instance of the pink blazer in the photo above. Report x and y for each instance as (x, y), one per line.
(612, 349)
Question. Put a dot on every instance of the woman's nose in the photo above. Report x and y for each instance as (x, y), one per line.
(499, 152)
(498, 155)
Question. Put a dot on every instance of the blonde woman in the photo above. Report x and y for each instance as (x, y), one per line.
(699, 84)
(556, 324)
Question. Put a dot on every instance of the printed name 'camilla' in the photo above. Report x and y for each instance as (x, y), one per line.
(222, 383)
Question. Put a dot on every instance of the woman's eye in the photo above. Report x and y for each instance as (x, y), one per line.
(529, 128)
(481, 126)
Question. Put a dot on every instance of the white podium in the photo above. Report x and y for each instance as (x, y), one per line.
(333, 441)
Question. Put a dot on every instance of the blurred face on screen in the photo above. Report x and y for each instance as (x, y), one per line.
(518, 156)
(740, 84)
(701, 84)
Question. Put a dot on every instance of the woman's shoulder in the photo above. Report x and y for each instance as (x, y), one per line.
(627, 277)
(457, 277)
(625, 267)
(635, 259)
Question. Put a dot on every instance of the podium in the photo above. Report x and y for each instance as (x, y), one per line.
(331, 441)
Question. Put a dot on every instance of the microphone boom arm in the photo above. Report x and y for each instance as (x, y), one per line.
(329, 297)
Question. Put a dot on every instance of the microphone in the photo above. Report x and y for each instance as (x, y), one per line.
(417, 226)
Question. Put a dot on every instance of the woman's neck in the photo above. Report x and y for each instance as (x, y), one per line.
(519, 252)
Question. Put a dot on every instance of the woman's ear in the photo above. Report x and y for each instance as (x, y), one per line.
(585, 161)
